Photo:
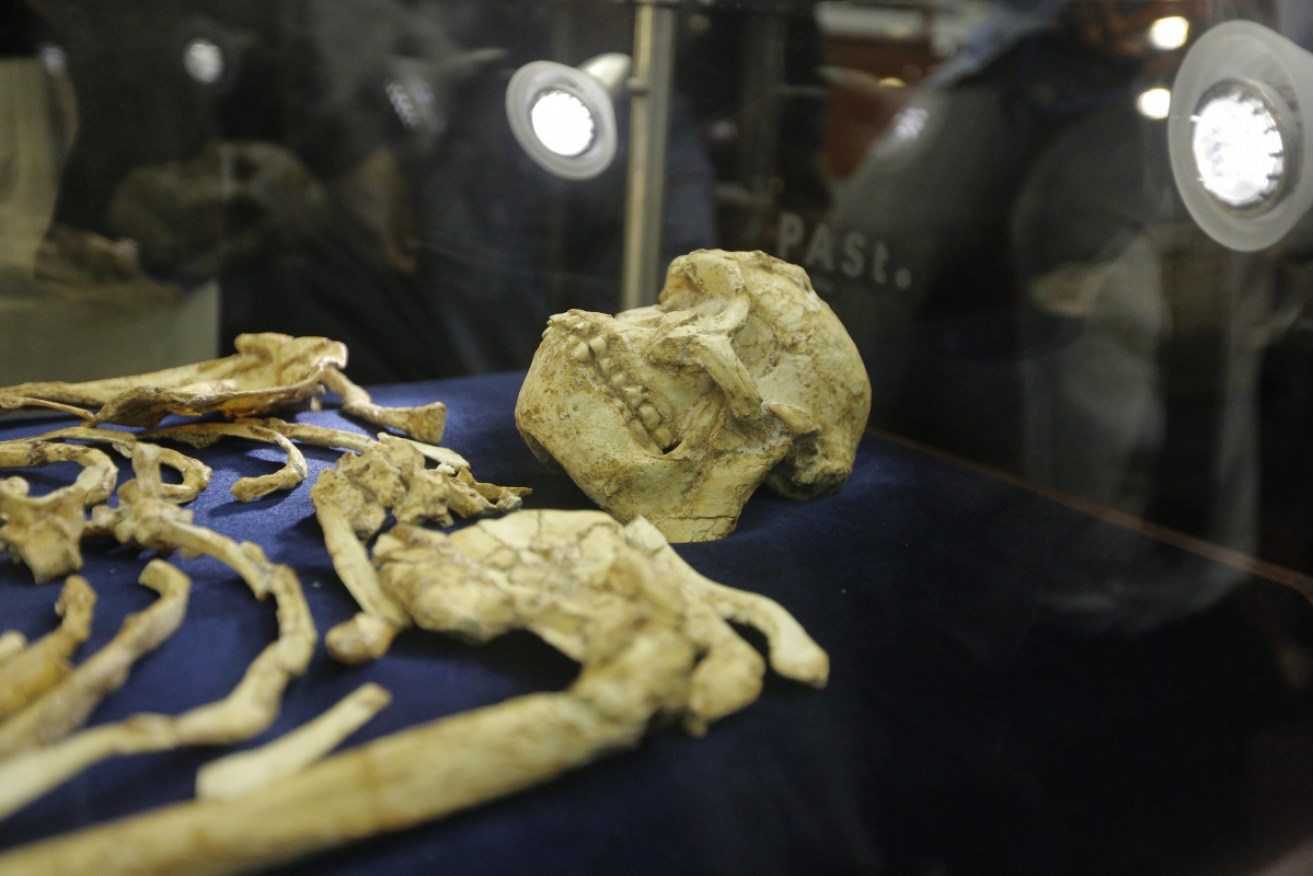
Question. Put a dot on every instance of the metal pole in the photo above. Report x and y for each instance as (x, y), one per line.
(650, 87)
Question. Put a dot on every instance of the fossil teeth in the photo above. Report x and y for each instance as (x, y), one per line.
(580, 352)
(633, 396)
(607, 364)
(663, 437)
(648, 414)
(618, 379)
(598, 345)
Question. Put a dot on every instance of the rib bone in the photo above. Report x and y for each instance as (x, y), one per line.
(247, 771)
(41, 665)
(67, 705)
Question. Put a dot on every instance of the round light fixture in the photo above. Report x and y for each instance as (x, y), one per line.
(1154, 103)
(563, 122)
(1240, 158)
(564, 117)
(1240, 146)
(204, 61)
(1169, 33)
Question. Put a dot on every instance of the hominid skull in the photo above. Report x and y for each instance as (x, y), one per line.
(679, 411)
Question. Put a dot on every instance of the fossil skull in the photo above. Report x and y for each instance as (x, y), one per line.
(679, 411)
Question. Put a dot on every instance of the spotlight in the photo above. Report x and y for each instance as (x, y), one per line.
(564, 117)
(204, 61)
(1240, 157)
(1169, 33)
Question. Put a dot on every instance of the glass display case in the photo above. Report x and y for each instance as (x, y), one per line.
(1064, 590)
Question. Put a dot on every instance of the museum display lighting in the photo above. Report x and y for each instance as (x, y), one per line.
(204, 61)
(1154, 103)
(1239, 147)
(1169, 33)
(564, 117)
(1240, 156)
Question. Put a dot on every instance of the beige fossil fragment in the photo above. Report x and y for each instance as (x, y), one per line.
(247, 771)
(12, 643)
(344, 511)
(66, 705)
(646, 628)
(45, 532)
(340, 439)
(677, 412)
(425, 423)
(352, 501)
(145, 517)
(41, 665)
(195, 474)
(400, 780)
(268, 371)
(553, 573)
(202, 435)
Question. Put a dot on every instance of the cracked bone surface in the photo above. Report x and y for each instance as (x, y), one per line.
(574, 578)
(677, 412)
(351, 503)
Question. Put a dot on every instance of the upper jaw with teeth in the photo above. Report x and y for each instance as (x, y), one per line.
(647, 415)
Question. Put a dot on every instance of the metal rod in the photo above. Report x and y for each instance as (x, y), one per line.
(650, 88)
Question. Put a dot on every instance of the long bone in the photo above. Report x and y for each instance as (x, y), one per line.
(247, 771)
(604, 594)
(400, 780)
(340, 439)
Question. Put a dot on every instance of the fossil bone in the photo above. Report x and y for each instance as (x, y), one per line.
(677, 412)
(351, 502)
(397, 781)
(646, 628)
(42, 664)
(202, 435)
(195, 474)
(45, 532)
(247, 771)
(552, 572)
(146, 518)
(66, 706)
(12, 643)
(268, 371)
(425, 423)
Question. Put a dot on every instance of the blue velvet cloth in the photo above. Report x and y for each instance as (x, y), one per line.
(964, 727)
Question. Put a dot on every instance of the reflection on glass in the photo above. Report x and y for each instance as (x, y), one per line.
(203, 61)
(1154, 103)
